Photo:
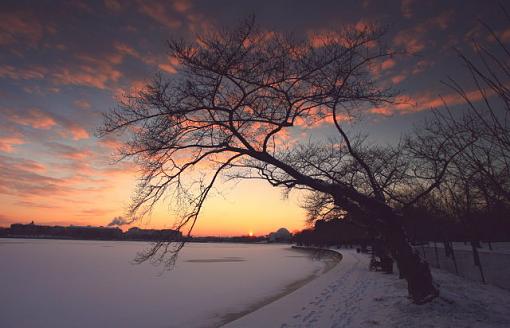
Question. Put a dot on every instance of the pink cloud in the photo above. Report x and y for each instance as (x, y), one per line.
(441, 21)
(410, 40)
(94, 71)
(134, 88)
(503, 35)
(158, 11)
(111, 143)
(384, 111)
(182, 6)
(406, 8)
(113, 5)
(421, 66)
(82, 103)
(170, 65)
(34, 117)
(387, 64)
(18, 178)
(20, 73)
(126, 49)
(87, 76)
(398, 78)
(20, 27)
(74, 130)
(415, 39)
(421, 102)
(7, 143)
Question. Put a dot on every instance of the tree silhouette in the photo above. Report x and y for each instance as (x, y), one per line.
(228, 111)
(478, 180)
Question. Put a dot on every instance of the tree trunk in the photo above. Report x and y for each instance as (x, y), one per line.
(413, 269)
(389, 224)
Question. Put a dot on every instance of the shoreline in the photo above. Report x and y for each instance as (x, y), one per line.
(331, 261)
(352, 296)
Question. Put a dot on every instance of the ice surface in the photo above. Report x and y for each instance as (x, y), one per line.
(64, 283)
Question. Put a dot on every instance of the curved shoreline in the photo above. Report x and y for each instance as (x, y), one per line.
(291, 287)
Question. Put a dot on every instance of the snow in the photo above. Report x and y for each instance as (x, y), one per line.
(351, 296)
(65, 283)
(90, 284)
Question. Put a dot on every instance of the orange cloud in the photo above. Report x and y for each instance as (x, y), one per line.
(426, 101)
(69, 152)
(505, 35)
(110, 143)
(384, 111)
(387, 64)
(7, 143)
(76, 131)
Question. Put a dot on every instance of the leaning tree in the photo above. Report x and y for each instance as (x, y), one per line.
(232, 110)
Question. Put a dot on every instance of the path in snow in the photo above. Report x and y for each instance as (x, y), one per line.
(351, 296)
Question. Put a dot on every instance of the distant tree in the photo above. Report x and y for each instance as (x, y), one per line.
(478, 180)
(237, 94)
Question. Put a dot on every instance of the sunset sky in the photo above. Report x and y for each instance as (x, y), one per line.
(63, 63)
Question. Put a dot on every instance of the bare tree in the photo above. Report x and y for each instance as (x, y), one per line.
(479, 178)
(226, 113)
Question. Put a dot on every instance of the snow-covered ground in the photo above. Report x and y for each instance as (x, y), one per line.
(351, 296)
(65, 283)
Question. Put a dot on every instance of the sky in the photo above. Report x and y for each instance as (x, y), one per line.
(64, 63)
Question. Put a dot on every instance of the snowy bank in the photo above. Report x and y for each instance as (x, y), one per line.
(351, 296)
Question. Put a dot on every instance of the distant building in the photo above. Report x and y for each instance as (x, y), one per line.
(32, 230)
(282, 235)
(89, 232)
(75, 232)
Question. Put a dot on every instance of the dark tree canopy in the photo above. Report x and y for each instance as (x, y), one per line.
(239, 93)
(234, 96)
(477, 182)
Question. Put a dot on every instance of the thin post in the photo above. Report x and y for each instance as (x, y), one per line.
(476, 257)
(437, 254)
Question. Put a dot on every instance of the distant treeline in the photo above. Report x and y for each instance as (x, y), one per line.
(31, 230)
(333, 232)
(481, 225)
(420, 225)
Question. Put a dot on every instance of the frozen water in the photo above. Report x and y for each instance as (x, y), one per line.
(66, 283)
